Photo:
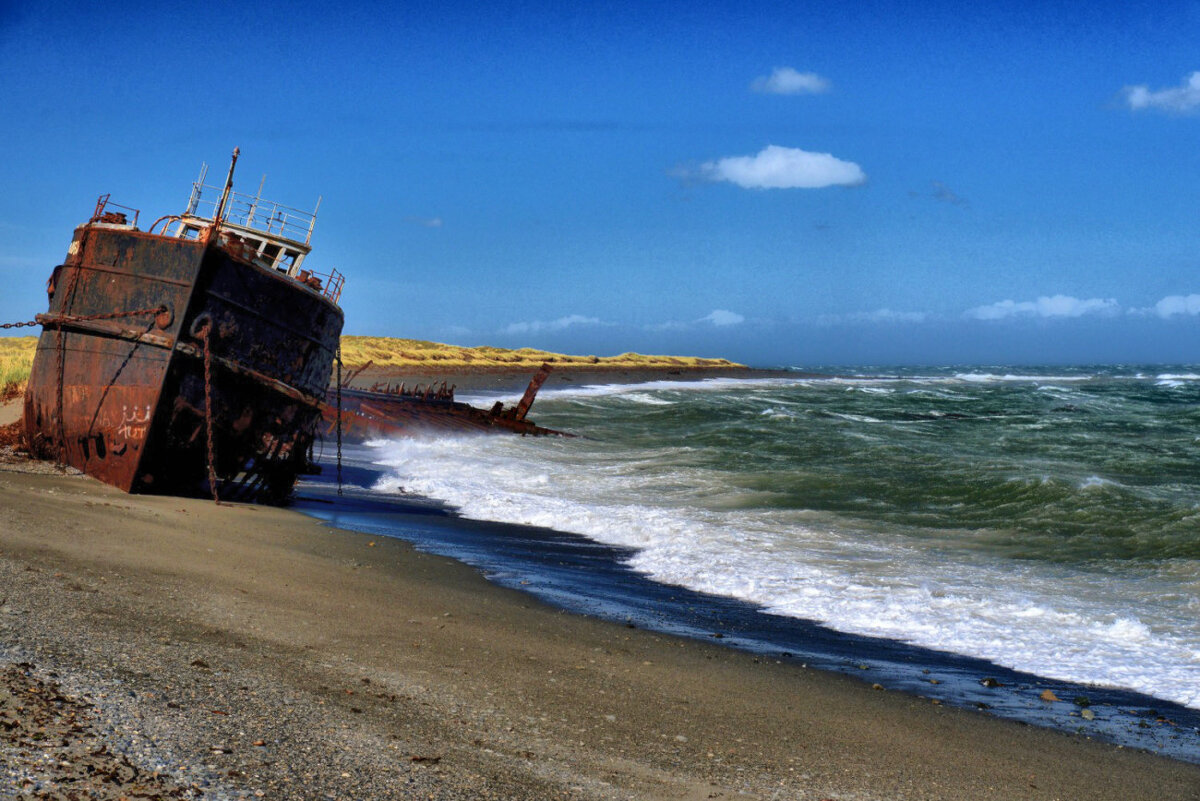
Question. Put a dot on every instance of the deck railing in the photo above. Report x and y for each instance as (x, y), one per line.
(107, 211)
(331, 284)
(251, 211)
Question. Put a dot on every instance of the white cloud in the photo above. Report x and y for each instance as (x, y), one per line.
(1056, 306)
(427, 222)
(716, 317)
(776, 167)
(885, 316)
(535, 326)
(721, 317)
(787, 81)
(1185, 97)
(891, 316)
(1174, 305)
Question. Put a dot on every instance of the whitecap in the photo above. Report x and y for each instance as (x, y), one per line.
(857, 418)
(1016, 377)
(1095, 482)
(645, 398)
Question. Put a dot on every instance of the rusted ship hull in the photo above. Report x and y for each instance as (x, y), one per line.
(128, 399)
(397, 411)
(367, 414)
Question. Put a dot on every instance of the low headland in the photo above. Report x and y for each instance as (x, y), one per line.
(172, 648)
(389, 353)
(383, 360)
(419, 361)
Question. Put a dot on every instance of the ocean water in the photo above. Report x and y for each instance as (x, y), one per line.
(1047, 521)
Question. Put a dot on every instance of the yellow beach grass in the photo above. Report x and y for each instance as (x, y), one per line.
(392, 352)
(16, 358)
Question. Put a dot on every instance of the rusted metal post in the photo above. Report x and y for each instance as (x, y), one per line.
(220, 213)
(531, 391)
(355, 373)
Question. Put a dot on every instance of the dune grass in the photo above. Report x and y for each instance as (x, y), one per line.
(400, 353)
(16, 359)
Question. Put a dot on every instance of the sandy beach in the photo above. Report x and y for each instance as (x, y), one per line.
(247, 652)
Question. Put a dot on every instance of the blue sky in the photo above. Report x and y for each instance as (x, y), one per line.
(778, 183)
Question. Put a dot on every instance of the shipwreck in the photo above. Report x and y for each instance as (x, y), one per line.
(189, 358)
(386, 410)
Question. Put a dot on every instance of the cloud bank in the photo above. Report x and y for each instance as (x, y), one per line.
(884, 315)
(536, 326)
(1063, 307)
(787, 81)
(1045, 307)
(776, 167)
(720, 318)
(1174, 306)
(1182, 98)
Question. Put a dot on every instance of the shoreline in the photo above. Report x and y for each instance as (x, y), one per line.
(578, 575)
(368, 669)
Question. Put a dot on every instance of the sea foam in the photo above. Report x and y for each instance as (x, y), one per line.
(1055, 620)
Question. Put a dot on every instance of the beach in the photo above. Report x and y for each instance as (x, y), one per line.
(245, 652)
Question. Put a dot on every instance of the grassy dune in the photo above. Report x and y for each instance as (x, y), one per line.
(16, 358)
(399, 353)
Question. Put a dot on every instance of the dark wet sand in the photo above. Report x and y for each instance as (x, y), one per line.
(247, 650)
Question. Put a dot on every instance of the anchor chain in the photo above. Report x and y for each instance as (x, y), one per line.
(61, 348)
(84, 318)
(339, 416)
(208, 423)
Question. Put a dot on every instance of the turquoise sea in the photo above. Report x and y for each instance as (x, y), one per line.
(1045, 520)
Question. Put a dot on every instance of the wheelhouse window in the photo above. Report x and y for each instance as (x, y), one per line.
(270, 252)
